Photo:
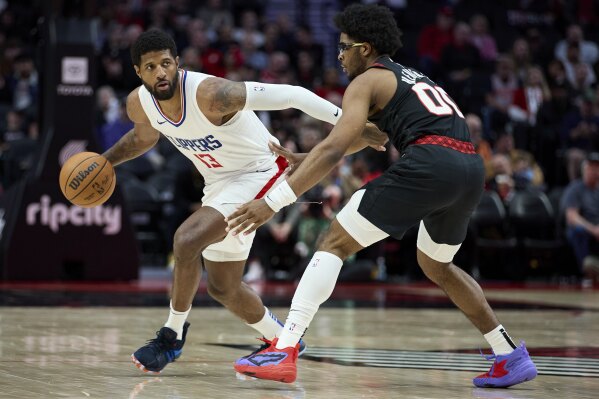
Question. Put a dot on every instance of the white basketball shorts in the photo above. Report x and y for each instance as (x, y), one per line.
(229, 194)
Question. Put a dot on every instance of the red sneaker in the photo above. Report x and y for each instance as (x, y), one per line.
(270, 363)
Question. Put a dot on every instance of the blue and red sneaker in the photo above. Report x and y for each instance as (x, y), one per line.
(508, 370)
(270, 363)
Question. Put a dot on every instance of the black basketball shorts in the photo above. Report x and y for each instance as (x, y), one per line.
(437, 185)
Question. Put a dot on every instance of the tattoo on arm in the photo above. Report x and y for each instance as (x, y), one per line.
(228, 97)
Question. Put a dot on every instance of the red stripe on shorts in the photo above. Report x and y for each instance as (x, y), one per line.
(444, 141)
(282, 164)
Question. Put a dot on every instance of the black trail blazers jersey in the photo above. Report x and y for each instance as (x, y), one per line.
(418, 108)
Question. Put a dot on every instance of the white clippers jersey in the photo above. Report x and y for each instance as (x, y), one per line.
(239, 146)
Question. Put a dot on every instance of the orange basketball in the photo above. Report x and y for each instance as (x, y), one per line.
(87, 179)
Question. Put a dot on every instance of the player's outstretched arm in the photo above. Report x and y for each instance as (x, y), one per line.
(223, 97)
(319, 162)
(271, 97)
(138, 140)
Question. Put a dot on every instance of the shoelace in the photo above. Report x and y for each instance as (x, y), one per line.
(489, 357)
(159, 342)
(265, 345)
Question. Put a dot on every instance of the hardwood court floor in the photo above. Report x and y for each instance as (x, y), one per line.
(430, 352)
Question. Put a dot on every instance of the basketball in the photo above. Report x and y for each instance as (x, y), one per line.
(87, 179)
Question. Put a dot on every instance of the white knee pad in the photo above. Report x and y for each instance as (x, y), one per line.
(356, 225)
(443, 253)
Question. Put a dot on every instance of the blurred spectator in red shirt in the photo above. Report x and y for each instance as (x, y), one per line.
(529, 98)
(432, 40)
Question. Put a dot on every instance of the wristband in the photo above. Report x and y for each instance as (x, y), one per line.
(280, 197)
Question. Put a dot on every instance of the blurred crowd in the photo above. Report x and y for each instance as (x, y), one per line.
(524, 72)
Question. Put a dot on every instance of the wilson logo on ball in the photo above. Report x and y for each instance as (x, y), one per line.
(78, 179)
(87, 179)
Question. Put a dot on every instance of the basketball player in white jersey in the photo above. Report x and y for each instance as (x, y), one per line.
(211, 121)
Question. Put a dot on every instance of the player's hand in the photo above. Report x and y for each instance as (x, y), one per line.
(248, 217)
(374, 137)
(294, 159)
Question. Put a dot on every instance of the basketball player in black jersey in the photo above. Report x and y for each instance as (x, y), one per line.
(436, 184)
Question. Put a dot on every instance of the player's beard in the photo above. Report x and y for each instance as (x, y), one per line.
(357, 70)
(161, 95)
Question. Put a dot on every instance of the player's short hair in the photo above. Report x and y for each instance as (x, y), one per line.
(152, 40)
(371, 23)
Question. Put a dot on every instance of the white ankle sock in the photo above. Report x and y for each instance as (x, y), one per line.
(176, 320)
(315, 287)
(270, 327)
(500, 341)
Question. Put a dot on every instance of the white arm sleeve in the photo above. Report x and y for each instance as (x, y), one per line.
(271, 97)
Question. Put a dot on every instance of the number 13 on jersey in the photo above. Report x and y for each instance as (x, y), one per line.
(208, 160)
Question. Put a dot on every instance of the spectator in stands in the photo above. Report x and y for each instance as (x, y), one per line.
(212, 59)
(304, 41)
(527, 101)
(575, 68)
(580, 202)
(481, 39)
(107, 106)
(277, 70)
(17, 144)
(525, 172)
(343, 177)
(549, 119)
(432, 40)
(522, 59)
(24, 84)
(306, 69)
(279, 35)
(5, 90)
(503, 85)
(589, 52)
(215, 14)
(275, 247)
(580, 134)
(501, 178)
(482, 146)
(249, 27)
(112, 61)
(582, 82)
(252, 56)
(15, 130)
(330, 84)
(540, 46)
(225, 40)
(190, 59)
(112, 130)
(183, 40)
(272, 39)
(316, 218)
(460, 60)
(556, 74)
